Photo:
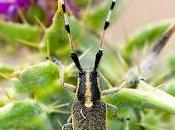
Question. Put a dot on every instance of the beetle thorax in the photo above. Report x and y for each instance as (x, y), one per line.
(88, 87)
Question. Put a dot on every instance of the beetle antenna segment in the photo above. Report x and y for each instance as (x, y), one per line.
(76, 61)
(67, 26)
(68, 30)
(97, 59)
(107, 23)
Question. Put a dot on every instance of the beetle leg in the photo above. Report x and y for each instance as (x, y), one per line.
(69, 87)
(114, 89)
(67, 126)
(61, 72)
(69, 119)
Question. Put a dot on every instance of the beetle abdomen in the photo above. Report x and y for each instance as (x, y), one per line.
(93, 118)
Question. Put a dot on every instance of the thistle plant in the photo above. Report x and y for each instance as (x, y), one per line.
(31, 94)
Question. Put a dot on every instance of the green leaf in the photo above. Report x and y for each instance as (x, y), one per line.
(151, 122)
(146, 35)
(36, 77)
(169, 86)
(171, 63)
(15, 32)
(42, 80)
(5, 70)
(151, 98)
(23, 114)
(57, 38)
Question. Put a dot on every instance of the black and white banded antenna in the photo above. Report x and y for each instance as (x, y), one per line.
(106, 25)
(68, 30)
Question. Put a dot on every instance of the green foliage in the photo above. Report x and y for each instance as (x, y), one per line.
(142, 99)
(95, 18)
(18, 114)
(37, 77)
(5, 70)
(34, 12)
(172, 64)
(15, 32)
(144, 36)
(56, 35)
(44, 95)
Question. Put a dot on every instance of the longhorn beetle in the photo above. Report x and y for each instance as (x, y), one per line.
(88, 111)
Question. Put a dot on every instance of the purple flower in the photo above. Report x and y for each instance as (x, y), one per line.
(68, 4)
(50, 7)
(9, 7)
(72, 7)
(23, 3)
